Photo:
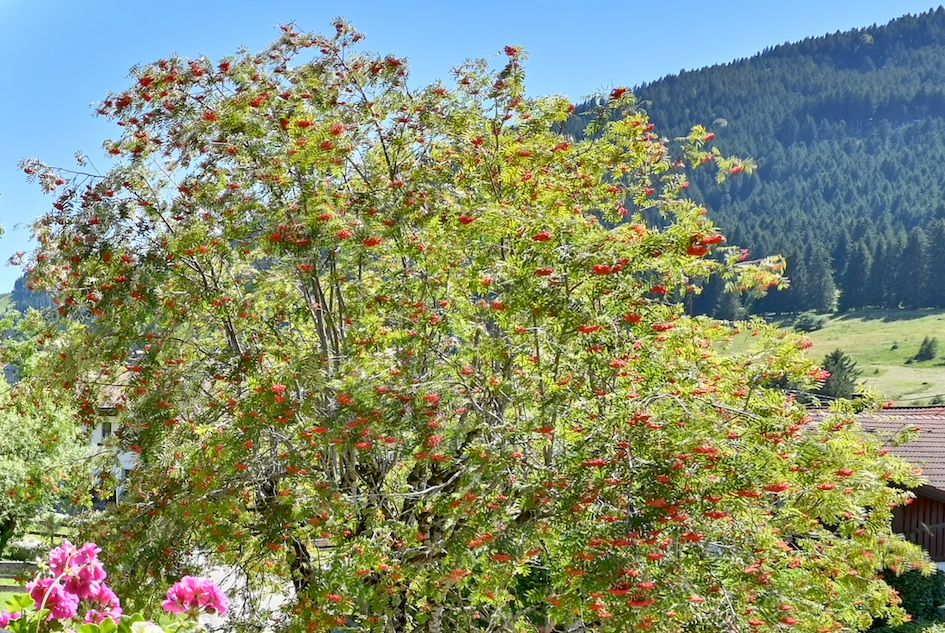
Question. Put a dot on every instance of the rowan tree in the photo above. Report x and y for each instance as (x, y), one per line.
(420, 358)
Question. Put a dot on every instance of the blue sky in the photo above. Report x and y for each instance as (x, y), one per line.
(59, 57)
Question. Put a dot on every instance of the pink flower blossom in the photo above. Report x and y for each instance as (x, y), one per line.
(6, 617)
(49, 593)
(60, 558)
(80, 568)
(104, 605)
(193, 595)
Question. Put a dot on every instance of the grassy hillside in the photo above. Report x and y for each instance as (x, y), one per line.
(883, 343)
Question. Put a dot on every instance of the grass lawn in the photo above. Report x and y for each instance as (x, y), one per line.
(882, 342)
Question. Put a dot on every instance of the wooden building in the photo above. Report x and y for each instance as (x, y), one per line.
(922, 521)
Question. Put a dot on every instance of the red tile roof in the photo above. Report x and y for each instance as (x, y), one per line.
(927, 450)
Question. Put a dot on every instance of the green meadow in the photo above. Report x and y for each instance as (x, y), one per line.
(883, 344)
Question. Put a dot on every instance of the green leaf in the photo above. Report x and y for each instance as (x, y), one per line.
(18, 602)
(126, 620)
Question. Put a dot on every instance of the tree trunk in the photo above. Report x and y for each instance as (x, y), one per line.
(7, 529)
(300, 566)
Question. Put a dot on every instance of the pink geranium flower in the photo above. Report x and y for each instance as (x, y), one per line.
(49, 593)
(104, 605)
(194, 596)
(6, 617)
(80, 568)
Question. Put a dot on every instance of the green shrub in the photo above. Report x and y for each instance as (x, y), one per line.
(921, 597)
(809, 322)
(916, 626)
(24, 551)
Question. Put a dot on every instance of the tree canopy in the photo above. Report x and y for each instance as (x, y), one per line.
(43, 452)
(418, 358)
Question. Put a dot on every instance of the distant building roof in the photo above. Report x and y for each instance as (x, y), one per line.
(927, 450)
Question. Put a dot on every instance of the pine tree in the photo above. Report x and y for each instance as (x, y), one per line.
(854, 284)
(928, 349)
(913, 271)
(936, 265)
(819, 292)
(843, 374)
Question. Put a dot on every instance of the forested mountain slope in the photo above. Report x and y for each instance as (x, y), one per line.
(848, 131)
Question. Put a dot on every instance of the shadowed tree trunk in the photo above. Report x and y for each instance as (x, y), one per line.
(7, 528)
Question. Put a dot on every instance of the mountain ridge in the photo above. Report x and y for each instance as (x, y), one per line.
(848, 130)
